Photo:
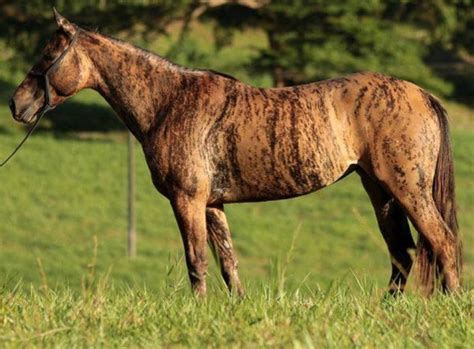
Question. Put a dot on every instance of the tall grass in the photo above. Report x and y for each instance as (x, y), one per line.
(104, 315)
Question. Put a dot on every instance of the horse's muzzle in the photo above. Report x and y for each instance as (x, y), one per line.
(26, 114)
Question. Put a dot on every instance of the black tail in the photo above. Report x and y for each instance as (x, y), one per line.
(444, 197)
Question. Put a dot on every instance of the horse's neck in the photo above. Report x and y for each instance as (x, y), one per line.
(136, 84)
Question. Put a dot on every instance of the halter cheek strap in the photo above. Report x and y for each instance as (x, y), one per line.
(45, 74)
(47, 106)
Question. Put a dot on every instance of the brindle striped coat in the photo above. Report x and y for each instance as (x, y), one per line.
(210, 139)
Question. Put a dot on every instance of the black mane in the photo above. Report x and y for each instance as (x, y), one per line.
(218, 73)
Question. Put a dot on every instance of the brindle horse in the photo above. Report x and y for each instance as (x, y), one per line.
(210, 139)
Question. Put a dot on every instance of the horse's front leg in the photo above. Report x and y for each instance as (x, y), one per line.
(191, 217)
(221, 244)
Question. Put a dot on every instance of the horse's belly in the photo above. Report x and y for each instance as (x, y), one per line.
(263, 174)
(286, 151)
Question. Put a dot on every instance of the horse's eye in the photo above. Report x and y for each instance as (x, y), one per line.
(48, 57)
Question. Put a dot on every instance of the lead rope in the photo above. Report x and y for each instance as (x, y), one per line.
(44, 111)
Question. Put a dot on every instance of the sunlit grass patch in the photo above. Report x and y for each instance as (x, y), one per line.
(104, 315)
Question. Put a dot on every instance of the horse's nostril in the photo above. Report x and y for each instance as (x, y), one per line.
(11, 104)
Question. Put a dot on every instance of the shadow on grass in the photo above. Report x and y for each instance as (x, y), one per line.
(70, 118)
(6, 91)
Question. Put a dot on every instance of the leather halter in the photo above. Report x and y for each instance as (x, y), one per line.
(47, 94)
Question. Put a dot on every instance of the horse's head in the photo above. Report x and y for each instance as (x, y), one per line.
(59, 74)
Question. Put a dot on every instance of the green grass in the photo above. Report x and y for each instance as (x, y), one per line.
(67, 281)
(335, 317)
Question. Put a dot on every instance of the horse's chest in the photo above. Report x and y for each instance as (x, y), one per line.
(173, 168)
(158, 164)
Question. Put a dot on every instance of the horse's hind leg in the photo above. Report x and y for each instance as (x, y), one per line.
(440, 246)
(415, 166)
(221, 243)
(394, 226)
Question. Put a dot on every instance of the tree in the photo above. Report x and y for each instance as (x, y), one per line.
(312, 40)
(26, 25)
(429, 42)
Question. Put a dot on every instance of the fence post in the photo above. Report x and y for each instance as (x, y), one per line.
(132, 239)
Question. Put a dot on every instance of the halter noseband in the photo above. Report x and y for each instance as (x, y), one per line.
(47, 94)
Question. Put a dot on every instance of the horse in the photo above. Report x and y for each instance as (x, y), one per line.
(210, 139)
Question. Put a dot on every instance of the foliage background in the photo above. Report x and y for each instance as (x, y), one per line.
(428, 42)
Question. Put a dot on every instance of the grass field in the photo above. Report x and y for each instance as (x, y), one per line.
(331, 318)
(314, 267)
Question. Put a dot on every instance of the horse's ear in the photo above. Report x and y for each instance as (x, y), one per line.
(68, 27)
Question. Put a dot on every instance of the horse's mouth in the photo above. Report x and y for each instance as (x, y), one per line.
(29, 116)
(31, 119)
